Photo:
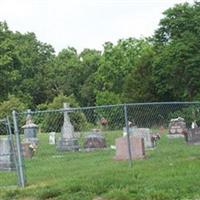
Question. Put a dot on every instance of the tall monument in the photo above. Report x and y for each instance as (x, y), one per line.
(30, 130)
(67, 141)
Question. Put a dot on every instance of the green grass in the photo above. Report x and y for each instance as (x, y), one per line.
(171, 171)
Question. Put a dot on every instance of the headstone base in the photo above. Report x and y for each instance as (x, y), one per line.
(8, 166)
(173, 136)
(68, 145)
(27, 150)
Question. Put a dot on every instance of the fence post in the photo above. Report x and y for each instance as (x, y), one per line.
(128, 135)
(20, 164)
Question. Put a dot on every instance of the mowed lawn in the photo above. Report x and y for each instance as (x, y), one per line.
(170, 171)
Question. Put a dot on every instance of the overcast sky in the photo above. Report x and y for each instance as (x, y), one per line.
(84, 23)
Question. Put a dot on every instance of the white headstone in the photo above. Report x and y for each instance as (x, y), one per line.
(194, 125)
(146, 134)
(52, 138)
(141, 132)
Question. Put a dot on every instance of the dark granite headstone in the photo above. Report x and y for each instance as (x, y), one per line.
(94, 140)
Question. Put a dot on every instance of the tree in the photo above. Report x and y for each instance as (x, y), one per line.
(139, 85)
(53, 121)
(106, 98)
(114, 116)
(13, 103)
(90, 61)
(23, 66)
(87, 93)
(9, 61)
(65, 73)
(117, 62)
(34, 59)
(177, 43)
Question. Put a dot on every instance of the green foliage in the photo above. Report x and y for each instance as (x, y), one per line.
(190, 114)
(60, 99)
(23, 64)
(107, 98)
(34, 59)
(90, 60)
(65, 73)
(139, 85)
(177, 53)
(116, 63)
(48, 122)
(114, 116)
(162, 68)
(87, 93)
(9, 61)
(13, 103)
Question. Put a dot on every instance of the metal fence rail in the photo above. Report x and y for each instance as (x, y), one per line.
(45, 159)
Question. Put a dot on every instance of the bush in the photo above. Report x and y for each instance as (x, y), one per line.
(53, 121)
(190, 114)
(13, 103)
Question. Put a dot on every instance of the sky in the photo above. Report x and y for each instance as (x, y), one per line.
(84, 23)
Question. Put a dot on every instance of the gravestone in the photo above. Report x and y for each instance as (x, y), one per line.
(137, 148)
(144, 133)
(67, 141)
(6, 155)
(52, 138)
(30, 130)
(177, 128)
(193, 136)
(131, 130)
(194, 125)
(94, 140)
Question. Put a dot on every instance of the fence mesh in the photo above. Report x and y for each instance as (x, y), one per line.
(50, 160)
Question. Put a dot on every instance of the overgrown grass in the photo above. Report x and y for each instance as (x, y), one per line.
(170, 171)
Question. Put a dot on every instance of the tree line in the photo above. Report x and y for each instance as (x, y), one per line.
(164, 67)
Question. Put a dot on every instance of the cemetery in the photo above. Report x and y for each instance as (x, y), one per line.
(78, 172)
(74, 159)
(86, 115)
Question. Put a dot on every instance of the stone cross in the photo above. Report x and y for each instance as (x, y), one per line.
(29, 117)
(67, 129)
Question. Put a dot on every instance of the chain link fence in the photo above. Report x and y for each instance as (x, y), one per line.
(68, 139)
